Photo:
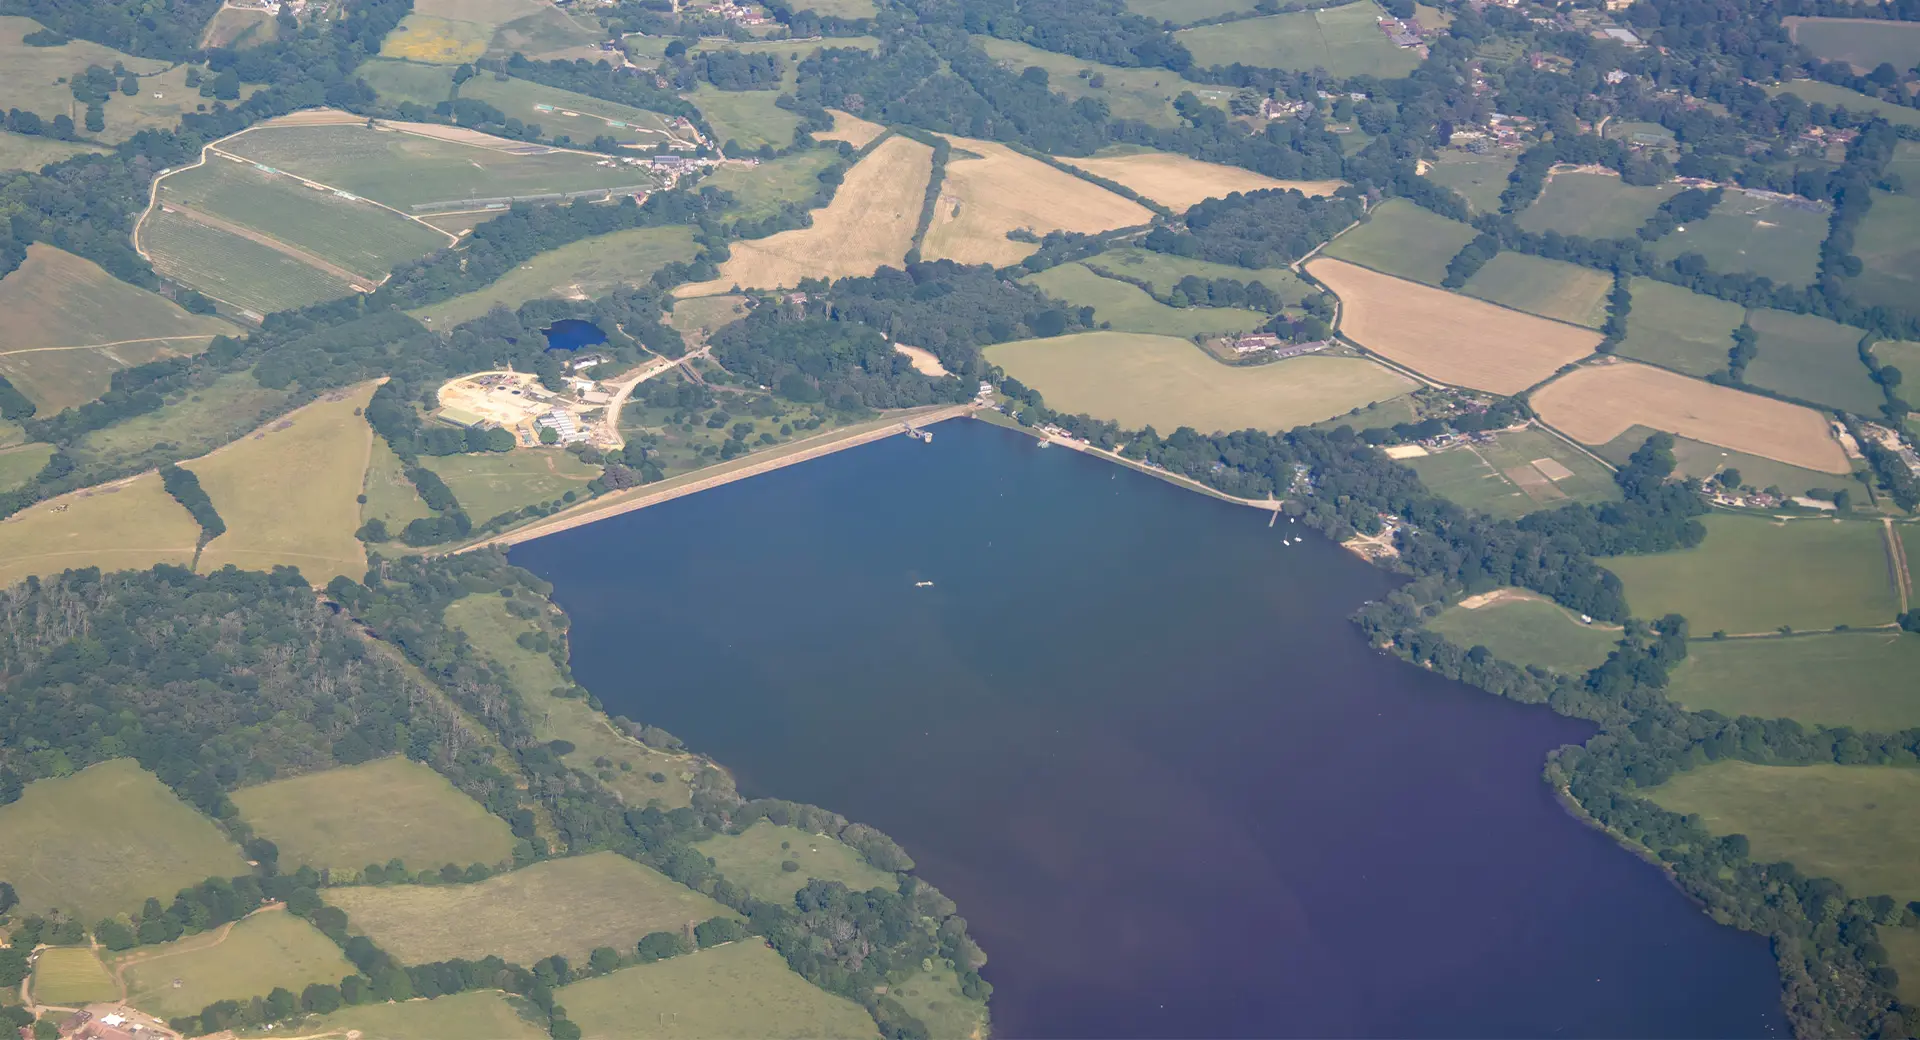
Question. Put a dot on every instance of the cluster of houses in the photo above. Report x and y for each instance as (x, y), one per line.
(111, 1022)
(1404, 32)
(1499, 131)
(1269, 345)
(738, 14)
(1892, 441)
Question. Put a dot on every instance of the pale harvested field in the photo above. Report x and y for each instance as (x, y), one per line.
(287, 492)
(1178, 182)
(133, 524)
(983, 199)
(1451, 338)
(869, 224)
(851, 129)
(923, 360)
(1597, 403)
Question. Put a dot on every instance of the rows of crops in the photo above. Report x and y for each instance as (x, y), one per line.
(233, 269)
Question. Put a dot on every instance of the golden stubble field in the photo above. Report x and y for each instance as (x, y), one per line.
(1178, 182)
(869, 224)
(851, 129)
(129, 524)
(1596, 403)
(1450, 338)
(982, 199)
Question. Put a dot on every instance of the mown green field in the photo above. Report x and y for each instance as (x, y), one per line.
(1143, 94)
(405, 170)
(760, 191)
(85, 871)
(492, 483)
(400, 81)
(390, 495)
(1769, 237)
(631, 766)
(71, 976)
(1550, 288)
(1858, 679)
(1814, 92)
(1754, 574)
(269, 949)
(743, 120)
(349, 817)
(1382, 414)
(1164, 271)
(1478, 178)
(31, 152)
(236, 271)
(1501, 479)
(1344, 41)
(933, 996)
(1596, 205)
(480, 1014)
(1167, 383)
(1813, 359)
(743, 991)
(363, 238)
(19, 463)
(1674, 328)
(839, 8)
(35, 78)
(567, 906)
(1853, 824)
(755, 858)
(1699, 459)
(1399, 238)
(1889, 251)
(1529, 630)
(1129, 309)
(592, 117)
(1863, 43)
(195, 422)
(591, 267)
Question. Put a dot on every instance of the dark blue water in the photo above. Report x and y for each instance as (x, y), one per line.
(1133, 735)
(572, 334)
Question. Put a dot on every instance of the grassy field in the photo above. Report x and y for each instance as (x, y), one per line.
(591, 116)
(1140, 380)
(27, 152)
(1902, 355)
(1595, 404)
(752, 859)
(1850, 823)
(1699, 459)
(261, 952)
(71, 976)
(590, 267)
(1163, 271)
(399, 81)
(983, 198)
(1527, 629)
(1903, 955)
(490, 484)
(390, 495)
(1597, 205)
(19, 463)
(349, 817)
(1549, 288)
(839, 8)
(1858, 679)
(35, 78)
(849, 128)
(631, 766)
(1678, 329)
(358, 236)
(1448, 337)
(1478, 178)
(237, 271)
(870, 223)
(760, 191)
(437, 41)
(135, 524)
(1753, 574)
(1886, 247)
(71, 325)
(1130, 309)
(1814, 92)
(1746, 234)
(1863, 43)
(406, 170)
(1182, 12)
(195, 422)
(933, 996)
(1501, 478)
(1344, 41)
(743, 991)
(240, 28)
(1401, 239)
(700, 317)
(1390, 412)
(566, 906)
(1813, 359)
(482, 1014)
(1143, 94)
(85, 871)
(288, 494)
(743, 120)
(1178, 182)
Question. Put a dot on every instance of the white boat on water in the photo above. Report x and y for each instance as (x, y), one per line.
(923, 584)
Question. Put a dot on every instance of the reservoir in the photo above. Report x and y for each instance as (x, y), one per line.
(572, 334)
(1131, 732)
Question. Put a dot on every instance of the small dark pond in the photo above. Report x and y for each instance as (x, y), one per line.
(572, 334)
